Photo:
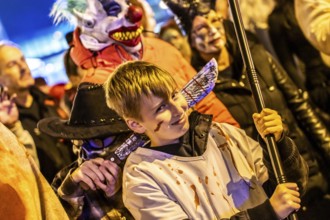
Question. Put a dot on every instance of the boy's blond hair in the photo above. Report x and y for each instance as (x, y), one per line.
(132, 80)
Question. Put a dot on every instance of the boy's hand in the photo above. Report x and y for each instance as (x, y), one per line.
(285, 199)
(98, 173)
(8, 108)
(268, 121)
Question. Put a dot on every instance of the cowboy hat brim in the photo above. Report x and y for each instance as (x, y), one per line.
(58, 128)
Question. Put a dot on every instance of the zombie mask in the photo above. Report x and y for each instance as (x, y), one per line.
(102, 22)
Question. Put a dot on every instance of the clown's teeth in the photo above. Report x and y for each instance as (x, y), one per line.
(128, 35)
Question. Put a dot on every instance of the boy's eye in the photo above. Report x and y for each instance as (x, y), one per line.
(175, 95)
(160, 108)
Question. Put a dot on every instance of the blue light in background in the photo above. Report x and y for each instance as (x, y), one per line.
(43, 42)
(3, 34)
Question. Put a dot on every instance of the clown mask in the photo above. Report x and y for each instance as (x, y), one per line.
(102, 22)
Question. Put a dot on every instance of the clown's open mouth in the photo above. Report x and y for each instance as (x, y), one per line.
(129, 36)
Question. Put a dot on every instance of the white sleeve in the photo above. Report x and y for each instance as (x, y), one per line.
(313, 17)
(251, 150)
(145, 200)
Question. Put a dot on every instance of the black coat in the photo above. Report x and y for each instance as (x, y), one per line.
(289, 41)
(53, 153)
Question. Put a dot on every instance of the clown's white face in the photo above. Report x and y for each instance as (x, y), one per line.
(107, 22)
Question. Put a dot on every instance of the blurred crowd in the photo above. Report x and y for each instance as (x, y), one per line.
(56, 139)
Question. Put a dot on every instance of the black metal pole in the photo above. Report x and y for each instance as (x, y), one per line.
(256, 91)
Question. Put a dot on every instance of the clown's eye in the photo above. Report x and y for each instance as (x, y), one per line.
(112, 8)
(89, 23)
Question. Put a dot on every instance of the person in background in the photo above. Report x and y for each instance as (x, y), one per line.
(41, 84)
(313, 18)
(290, 43)
(171, 33)
(25, 193)
(75, 75)
(55, 91)
(90, 187)
(59, 93)
(220, 170)
(33, 105)
(211, 36)
(9, 118)
(254, 16)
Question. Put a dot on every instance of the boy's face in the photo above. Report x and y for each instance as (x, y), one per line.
(163, 121)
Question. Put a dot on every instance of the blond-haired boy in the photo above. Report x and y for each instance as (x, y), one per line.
(194, 168)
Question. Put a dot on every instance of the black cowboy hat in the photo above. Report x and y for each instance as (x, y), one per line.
(90, 117)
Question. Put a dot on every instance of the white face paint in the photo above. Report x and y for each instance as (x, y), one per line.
(208, 34)
(107, 22)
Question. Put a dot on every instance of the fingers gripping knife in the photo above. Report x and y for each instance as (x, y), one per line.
(194, 91)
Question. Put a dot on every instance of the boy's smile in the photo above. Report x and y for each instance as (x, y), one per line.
(164, 121)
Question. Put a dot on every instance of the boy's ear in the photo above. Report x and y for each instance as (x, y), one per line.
(135, 126)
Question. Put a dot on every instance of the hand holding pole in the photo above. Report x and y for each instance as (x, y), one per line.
(256, 91)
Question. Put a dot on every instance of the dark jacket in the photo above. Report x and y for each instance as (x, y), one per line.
(289, 41)
(279, 93)
(53, 154)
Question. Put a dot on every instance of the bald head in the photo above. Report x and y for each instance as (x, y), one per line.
(14, 66)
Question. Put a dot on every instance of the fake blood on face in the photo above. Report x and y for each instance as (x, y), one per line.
(158, 126)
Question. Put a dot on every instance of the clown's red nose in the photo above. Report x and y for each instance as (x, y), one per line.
(134, 14)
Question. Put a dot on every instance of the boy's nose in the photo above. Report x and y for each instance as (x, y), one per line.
(176, 109)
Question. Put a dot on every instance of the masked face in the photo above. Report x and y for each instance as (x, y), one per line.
(92, 148)
(106, 22)
(208, 34)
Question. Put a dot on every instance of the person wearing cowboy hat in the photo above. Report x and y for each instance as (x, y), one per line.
(89, 188)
